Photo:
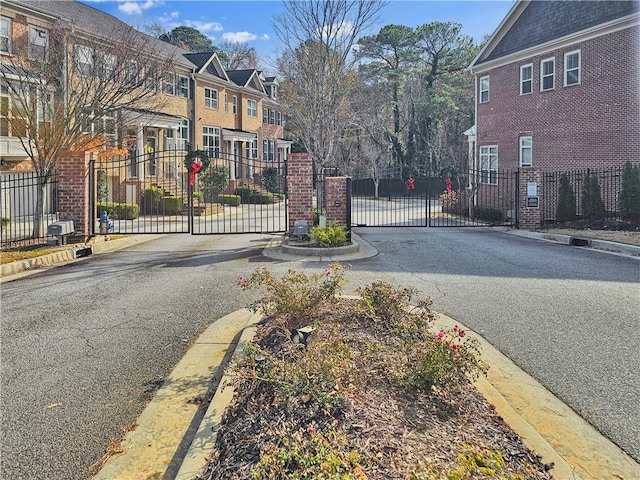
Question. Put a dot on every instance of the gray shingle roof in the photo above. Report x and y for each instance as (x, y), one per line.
(100, 24)
(544, 21)
(240, 77)
(198, 59)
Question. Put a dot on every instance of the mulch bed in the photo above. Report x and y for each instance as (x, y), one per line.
(393, 430)
(600, 224)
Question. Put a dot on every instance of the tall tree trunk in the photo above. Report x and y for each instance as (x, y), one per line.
(39, 213)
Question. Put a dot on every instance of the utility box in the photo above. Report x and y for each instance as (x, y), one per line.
(60, 230)
(301, 228)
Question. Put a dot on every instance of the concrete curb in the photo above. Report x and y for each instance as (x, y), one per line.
(164, 428)
(32, 265)
(547, 426)
(275, 251)
(576, 240)
(204, 440)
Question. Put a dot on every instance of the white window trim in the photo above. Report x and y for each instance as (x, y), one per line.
(542, 75)
(252, 108)
(489, 169)
(8, 36)
(83, 59)
(169, 83)
(211, 98)
(487, 89)
(183, 133)
(38, 35)
(234, 101)
(211, 132)
(578, 68)
(132, 72)
(523, 147)
(179, 88)
(522, 80)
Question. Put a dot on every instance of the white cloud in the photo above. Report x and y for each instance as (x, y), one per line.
(167, 17)
(136, 8)
(341, 30)
(264, 36)
(238, 37)
(204, 26)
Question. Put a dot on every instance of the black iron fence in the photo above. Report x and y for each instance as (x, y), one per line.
(435, 201)
(28, 205)
(141, 193)
(160, 192)
(589, 194)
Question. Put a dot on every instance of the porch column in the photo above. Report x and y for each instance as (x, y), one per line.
(141, 152)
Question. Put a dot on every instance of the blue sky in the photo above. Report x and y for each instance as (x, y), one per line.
(251, 21)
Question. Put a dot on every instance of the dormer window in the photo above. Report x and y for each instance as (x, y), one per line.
(274, 92)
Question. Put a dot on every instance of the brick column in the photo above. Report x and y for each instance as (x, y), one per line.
(300, 188)
(335, 199)
(73, 190)
(529, 218)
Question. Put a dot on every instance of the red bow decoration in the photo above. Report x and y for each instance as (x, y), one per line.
(195, 168)
(410, 184)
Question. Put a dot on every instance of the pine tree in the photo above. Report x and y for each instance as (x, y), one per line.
(629, 199)
(566, 210)
(592, 204)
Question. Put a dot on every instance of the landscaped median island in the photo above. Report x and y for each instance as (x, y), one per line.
(359, 388)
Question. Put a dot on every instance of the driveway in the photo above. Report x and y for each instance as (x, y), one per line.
(85, 345)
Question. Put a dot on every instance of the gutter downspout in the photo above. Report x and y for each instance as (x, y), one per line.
(65, 72)
(194, 137)
(475, 143)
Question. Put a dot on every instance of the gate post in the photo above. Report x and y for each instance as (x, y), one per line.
(300, 188)
(530, 214)
(73, 191)
(337, 201)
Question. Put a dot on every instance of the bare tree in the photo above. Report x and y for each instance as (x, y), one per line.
(372, 115)
(318, 37)
(67, 93)
(239, 55)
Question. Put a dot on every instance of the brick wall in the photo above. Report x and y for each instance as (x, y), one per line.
(593, 124)
(73, 190)
(335, 199)
(300, 188)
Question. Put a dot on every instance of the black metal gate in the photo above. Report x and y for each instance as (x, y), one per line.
(156, 192)
(473, 200)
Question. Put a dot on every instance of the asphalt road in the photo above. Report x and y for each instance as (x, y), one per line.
(83, 346)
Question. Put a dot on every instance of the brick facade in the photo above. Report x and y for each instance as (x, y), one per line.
(530, 218)
(335, 200)
(73, 190)
(300, 188)
(592, 124)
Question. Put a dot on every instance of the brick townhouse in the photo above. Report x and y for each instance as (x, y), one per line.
(557, 88)
(233, 115)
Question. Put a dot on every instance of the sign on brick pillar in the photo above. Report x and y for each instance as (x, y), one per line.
(335, 199)
(531, 199)
(300, 188)
(73, 190)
